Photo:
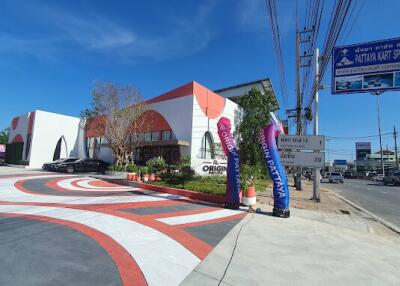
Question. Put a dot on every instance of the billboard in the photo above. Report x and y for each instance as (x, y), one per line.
(362, 150)
(340, 163)
(366, 67)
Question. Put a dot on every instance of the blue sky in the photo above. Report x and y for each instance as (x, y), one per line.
(51, 52)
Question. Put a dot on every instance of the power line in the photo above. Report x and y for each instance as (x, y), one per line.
(272, 16)
(336, 26)
(358, 137)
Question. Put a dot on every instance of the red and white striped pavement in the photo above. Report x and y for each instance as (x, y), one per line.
(158, 250)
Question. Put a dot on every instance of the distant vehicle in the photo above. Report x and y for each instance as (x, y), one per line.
(378, 178)
(325, 177)
(336, 177)
(52, 166)
(83, 165)
(392, 179)
(348, 175)
(370, 175)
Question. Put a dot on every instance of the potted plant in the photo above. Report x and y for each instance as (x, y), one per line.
(151, 169)
(247, 185)
(145, 172)
(132, 170)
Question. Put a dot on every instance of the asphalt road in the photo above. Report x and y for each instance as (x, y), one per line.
(383, 201)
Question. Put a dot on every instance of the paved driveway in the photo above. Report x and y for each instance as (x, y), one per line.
(74, 230)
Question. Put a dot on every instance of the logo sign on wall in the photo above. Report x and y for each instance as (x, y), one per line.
(366, 67)
(212, 167)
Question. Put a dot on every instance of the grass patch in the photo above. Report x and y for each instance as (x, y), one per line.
(214, 185)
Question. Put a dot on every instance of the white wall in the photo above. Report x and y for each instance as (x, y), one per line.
(178, 112)
(201, 124)
(21, 129)
(48, 129)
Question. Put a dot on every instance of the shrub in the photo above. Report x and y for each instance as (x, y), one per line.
(144, 170)
(184, 162)
(156, 164)
(150, 165)
(132, 168)
(159, 164)
(246, 176)
(187, 173)
(116, 168)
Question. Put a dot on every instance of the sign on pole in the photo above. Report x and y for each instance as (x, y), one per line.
(306, 159)
(366, 67)
(301, 142)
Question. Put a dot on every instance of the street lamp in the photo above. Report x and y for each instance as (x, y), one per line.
(378, 93)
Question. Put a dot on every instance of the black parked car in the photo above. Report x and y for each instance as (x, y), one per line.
(83, 165)
(52, 166)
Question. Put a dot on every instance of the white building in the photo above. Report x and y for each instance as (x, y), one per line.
(181, 122)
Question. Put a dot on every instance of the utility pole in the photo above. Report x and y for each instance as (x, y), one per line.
(316, 193)
(297, 179)
(395, 147)
(298, 96)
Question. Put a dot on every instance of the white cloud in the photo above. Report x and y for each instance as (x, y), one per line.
(96, 33)
(252, 16)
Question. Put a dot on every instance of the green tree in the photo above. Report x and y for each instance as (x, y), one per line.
(4, 136)
(256, 108)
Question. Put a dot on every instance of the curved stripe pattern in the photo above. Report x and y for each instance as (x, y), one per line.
(9, 192)
(163, 252)
(150, 249)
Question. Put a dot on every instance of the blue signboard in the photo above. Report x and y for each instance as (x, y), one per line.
(367, 67)
(340, 162)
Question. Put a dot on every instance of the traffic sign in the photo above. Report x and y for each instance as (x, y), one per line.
(301, 142)
(304, 159)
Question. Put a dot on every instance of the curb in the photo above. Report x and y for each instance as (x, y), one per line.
(379, 219)
(173, 191)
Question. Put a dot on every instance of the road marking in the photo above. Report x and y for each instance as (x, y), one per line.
(177, 220)
(84, 186)
(162, 260)
(10, 193)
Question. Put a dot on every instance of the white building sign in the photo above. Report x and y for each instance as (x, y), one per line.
(211, 167)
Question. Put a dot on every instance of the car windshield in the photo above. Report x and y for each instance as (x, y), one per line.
(336, 174)
(70, 160)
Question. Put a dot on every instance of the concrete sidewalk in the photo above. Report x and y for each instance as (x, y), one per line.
(310, 248)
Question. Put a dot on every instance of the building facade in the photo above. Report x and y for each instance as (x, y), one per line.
(181, 122)
(39, 136)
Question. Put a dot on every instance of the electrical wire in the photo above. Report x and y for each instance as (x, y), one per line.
(272, 16)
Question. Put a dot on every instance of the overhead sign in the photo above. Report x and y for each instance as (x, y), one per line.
(300, 142)
(304, 159)
(366, 67)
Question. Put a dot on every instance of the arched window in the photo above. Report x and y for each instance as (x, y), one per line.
(207, 146)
